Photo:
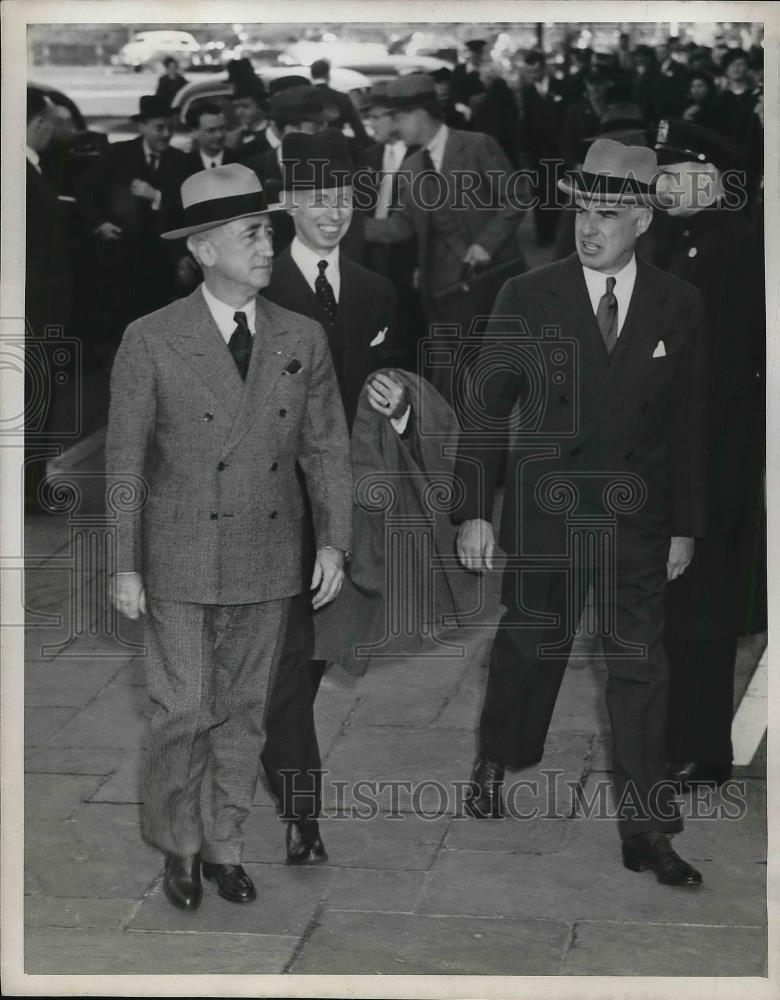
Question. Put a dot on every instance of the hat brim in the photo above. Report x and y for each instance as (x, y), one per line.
(645, 198)
(179, 234)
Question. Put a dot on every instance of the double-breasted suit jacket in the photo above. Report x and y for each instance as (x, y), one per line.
(366, 313)
(488, 214)
(223, 521)
(634, 418)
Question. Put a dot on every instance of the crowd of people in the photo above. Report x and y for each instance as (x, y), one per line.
(312, 270)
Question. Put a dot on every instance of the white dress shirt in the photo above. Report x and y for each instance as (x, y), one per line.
(307, 261)
(211, 161)
(272, 137)
(393, 155)
(624, 288)
(437, 146)
(223, 313)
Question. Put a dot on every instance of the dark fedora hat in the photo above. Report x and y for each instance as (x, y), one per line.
(298, 104)
(623, 122)
(442, 74)
(316, 162)
(476, 44)
(413, 90)
(151, 106)
(377, 97)
(615, 174)
(287, 82)
(211, 198)
(254, 88)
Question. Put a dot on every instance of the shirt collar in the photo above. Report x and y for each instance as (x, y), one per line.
(33, 157)
(436, 146)
(272, 137)
(206, 158)
(223, 313)
(624, 278)
(308, 259)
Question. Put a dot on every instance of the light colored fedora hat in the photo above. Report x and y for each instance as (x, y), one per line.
(213, 197)
(615, 173)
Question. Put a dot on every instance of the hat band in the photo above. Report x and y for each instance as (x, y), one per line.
(224, 209)
(605, 184)
(689, 155)
(412, 102)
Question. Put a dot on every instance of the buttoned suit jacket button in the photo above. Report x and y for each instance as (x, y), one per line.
(208, 417)
(221, 466)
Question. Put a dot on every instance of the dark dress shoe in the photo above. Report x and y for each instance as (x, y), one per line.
(304, 843)
(233, 883)
(486, 800)
(696, 772)
(181, 881)
(653, 852)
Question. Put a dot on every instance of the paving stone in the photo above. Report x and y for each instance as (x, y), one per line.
(331, 710)
(580, 706)
(124, 785)
(423, 673)
(462, 709)
(400, 944)
(54, 911)
(287, 897)
(133, 672)
(634, 949)
(115, 718)
(569, 887)
(73, 760)
(41, 723)
(56, 796)
(377, 891)
(65, 682)
(404, 707)
(430, 759)
(94, 855)
(514, 836)
(64, 951)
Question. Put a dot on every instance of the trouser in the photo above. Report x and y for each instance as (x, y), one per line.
(701, 699)
(524, 680)
(209, 668)
(291, 757)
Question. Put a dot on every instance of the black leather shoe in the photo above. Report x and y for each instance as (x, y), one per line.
(653, 852)
(304, 843)
(233, 883)
(181, 881)
(486, 800)
(696, 772)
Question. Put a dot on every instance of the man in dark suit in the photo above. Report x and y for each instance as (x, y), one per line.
(605, 486)
(339, 107)
(357, 309)
(722, 595)
(48, 292)
(121, 198)
(451, 116)
(223, 405)
(250, 104)
(171, 82)
(457, 233)
(466, 81)
(298, 108)
(395, 261)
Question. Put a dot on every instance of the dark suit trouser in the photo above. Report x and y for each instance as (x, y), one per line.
(209, 668)
(291, 756)
(701, 699)
(523, 686)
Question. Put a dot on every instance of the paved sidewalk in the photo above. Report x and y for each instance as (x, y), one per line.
(402, 893)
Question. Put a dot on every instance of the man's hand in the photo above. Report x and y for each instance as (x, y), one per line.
(387, 396)
(129, 595)
(328, 575)
(108, 231)
(141, 189)
(476, 256)
(680, 555)
(475, 544)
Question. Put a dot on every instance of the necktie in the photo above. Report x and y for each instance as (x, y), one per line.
(240, 344)
(154, 160)
(428, 163)
(324, 291)
(607, 315)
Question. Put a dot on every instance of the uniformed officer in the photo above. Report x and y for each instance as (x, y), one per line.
(709, 242)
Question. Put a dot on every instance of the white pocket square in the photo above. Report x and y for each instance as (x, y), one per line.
(379, 338)
(660, 350)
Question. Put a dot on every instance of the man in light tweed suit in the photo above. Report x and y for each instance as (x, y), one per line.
(218, 400)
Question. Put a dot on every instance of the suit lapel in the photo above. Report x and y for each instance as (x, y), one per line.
(204, 350)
